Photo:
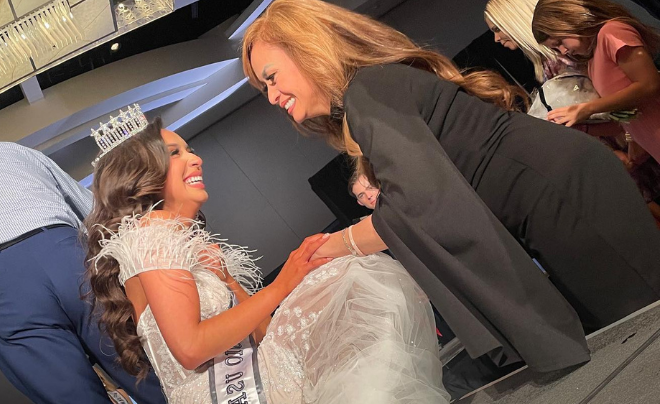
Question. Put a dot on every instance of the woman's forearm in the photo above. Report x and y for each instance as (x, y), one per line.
(241, 295)
(175, 304)
(219, 333)
(364, 236)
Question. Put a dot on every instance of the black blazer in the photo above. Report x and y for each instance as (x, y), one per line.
(429, 143)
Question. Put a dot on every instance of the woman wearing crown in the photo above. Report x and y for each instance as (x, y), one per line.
(356, 329)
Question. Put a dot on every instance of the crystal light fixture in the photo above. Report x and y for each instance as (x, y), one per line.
(41, 32)
(133, 13)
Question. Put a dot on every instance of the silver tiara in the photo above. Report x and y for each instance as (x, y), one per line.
(112, 134)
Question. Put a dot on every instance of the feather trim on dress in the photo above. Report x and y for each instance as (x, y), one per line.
(143, 243)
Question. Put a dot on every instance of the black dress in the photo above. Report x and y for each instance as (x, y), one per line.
(460, 176)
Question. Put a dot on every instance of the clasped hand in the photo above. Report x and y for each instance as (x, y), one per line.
(300, 262)
(569, 116)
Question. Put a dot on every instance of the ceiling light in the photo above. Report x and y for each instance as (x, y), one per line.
(115, 47)
(27, 37)
(133, 15)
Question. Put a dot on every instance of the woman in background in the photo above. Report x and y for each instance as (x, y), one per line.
(511, 23)
(618, 49)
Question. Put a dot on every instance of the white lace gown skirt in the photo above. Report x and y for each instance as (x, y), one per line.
(357, 330)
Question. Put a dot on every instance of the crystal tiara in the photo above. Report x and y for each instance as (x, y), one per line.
(111, 134)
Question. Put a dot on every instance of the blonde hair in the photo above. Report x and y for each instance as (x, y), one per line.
(584, 19)
(329, 44)
(514, 17)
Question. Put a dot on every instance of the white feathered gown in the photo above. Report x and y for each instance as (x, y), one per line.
(356, 330)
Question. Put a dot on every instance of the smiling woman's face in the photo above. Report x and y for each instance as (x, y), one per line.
(285, 84)
(184, 191)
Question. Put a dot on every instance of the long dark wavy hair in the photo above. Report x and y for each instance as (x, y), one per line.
(584, 19)
(329, 44)
(128, 180)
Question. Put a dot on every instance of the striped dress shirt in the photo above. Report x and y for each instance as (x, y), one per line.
(36, 192)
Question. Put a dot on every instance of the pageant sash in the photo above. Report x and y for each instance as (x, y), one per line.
(234, 376)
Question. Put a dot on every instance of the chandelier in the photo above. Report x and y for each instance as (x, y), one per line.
(133, 13)
(36, 35)
(39, 33)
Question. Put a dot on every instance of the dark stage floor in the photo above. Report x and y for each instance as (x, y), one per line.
(624, 369)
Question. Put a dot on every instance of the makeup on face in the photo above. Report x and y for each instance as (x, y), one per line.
(184, 191)
(285, 85)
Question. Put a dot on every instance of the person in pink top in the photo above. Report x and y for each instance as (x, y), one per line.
(618, 49)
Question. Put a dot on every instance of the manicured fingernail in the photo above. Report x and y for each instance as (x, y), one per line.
(326, 235)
